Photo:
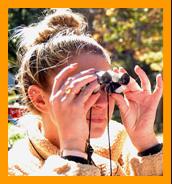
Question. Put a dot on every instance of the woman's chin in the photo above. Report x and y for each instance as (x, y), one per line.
(97, 130)
(96, 135)
(97, 127)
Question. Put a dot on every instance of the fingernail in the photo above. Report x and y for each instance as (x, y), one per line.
(95, 76)
(159, 75)
(115, 69)
(92, 70)
(97, 88)
(137, 66)
(122, 69)
(97, 85)
(73, 64)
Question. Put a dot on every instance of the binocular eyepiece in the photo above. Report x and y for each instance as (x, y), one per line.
(112, 82)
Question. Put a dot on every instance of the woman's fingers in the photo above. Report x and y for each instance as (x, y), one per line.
(157, 93)
(79, 83)
(75, 87)
(59, 91)
(79, 75)
(83, 73)
(115, 69)
(91, 101)
(145, 83)
(122, 70)
(62, 75)
(132, 85)
(121, 102)
(87, 92)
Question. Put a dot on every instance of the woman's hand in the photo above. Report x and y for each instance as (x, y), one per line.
(138, 109)
(70, 105)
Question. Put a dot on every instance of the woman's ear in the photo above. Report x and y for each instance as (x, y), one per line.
(38, 98)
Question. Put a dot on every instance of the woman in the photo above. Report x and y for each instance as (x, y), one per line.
(58, 79)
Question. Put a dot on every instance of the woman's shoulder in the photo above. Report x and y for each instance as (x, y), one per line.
(21, 161)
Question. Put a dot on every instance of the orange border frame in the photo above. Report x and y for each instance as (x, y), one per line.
(165, 4)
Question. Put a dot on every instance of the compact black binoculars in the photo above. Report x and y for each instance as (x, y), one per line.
(112, 82)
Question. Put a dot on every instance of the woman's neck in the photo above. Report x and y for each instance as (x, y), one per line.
(50, 132)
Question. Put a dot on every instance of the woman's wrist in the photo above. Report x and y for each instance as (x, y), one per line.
(145, 142)
(152, 150)
(76, 153)
(73, 151)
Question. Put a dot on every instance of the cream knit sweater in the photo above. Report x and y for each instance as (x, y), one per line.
(35, 155)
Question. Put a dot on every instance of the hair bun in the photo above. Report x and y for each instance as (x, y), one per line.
(65, 17)
(62, 21)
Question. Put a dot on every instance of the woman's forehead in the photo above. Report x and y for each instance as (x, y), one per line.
(86, 61)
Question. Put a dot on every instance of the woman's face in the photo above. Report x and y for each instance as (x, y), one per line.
(99, 110)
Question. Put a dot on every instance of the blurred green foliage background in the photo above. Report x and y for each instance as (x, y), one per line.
(132, 36)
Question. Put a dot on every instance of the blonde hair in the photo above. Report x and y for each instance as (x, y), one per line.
(50, 44)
